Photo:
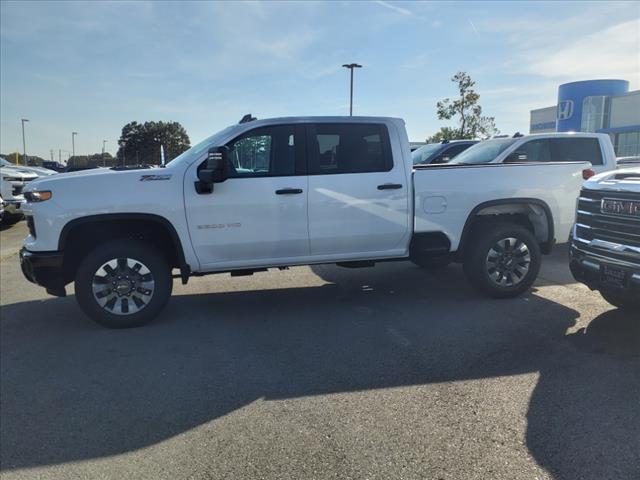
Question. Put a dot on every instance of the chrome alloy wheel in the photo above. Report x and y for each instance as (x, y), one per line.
(123, 286)
(508, 262)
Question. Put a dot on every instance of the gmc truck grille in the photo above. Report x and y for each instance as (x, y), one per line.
(600, 231)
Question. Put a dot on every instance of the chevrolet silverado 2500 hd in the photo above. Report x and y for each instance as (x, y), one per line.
(605, 244)
(283, 192)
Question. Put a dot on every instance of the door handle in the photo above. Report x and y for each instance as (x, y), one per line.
(389, 186)
(288, 191)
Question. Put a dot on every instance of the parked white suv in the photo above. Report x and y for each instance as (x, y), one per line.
(289, 191)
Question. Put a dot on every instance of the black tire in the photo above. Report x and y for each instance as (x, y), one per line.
(481, 265)
(434, 262)
(159, 284)
(11, 219)
(623, 302)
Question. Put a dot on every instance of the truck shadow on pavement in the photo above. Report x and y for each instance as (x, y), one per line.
(74, 391)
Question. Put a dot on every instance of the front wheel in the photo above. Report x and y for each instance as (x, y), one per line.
(623, 302)
(503, 260)
(123, 284)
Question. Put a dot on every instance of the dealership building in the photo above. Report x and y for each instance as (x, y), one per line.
(604, 106)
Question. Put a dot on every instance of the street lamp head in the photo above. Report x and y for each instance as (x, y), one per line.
(352, 65)
(25, 119)
(74, 133)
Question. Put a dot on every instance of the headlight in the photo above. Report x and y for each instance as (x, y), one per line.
(38, 196)
(11, 179)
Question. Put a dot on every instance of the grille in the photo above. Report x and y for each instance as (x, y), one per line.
(592, 224)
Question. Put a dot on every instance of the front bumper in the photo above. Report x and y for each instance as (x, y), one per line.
(13, 207)
(44, 269)
(587, 268)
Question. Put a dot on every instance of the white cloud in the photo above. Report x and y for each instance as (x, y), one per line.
(396, 8)
(611, 52)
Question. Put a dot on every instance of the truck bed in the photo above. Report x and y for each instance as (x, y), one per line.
(446, 195)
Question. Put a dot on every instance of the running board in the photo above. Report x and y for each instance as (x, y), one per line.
(357, 264)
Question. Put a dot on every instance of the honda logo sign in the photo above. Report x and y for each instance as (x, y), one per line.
(565, 109)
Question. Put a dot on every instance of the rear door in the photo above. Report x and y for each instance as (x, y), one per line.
(358, 194)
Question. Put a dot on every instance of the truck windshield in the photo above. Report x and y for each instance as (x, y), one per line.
(421, 154)
(197, 150)
(485, 151)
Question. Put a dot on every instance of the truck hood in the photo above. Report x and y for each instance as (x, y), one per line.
(97, 176)
(18, 173)
(623, 180)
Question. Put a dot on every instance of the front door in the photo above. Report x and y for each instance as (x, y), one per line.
(258, 216)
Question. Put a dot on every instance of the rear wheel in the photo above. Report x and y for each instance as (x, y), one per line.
(503, 260)
(623, 302)
(123, 284)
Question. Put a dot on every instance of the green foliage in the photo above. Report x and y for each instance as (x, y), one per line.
(445, 133)
(465, 109)
(32, 160)
(140, 142)
(93, 160)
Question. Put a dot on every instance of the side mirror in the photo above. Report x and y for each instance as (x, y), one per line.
(516, 157)
(215, 170)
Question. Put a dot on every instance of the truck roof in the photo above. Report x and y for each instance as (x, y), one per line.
(322, 119)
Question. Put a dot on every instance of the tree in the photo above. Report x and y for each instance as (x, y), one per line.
(139, 143)
(32, 160)
(472, 124)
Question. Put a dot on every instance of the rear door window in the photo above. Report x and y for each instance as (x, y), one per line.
(578, 149)
(348, 148)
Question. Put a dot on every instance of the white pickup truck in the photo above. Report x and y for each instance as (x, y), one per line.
(284, 192)
(595, 148)
(12, 183)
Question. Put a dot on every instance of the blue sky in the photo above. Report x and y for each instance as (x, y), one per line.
(92, 67)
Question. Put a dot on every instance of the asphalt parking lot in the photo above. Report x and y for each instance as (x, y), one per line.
(379, 373)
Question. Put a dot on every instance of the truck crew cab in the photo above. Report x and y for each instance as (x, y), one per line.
(289, 191)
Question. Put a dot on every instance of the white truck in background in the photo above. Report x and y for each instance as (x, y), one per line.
(283, 192)
(595, 148)
(12, 183)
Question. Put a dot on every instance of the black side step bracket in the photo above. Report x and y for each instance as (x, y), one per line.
(357, 264)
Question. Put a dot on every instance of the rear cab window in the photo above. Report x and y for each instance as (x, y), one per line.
(577, 149)
(339, 148)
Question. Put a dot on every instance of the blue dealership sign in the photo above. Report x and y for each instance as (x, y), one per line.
(571, 95)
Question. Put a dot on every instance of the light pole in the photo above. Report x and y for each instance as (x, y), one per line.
(73, 144)
(24, 144)
(351, 67)
(103, 144)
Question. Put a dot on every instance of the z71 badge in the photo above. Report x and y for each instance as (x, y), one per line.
(151, 178)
